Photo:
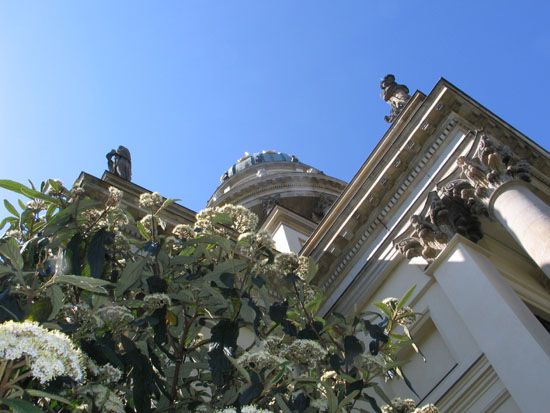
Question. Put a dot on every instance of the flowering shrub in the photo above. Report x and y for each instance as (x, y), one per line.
(204, 317)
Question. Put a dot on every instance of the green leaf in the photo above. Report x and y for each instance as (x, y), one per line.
(282, 405)
(347, 399)
(6, 220)
(40, 310)
(10, 249)
(231, 266)
(11, 209)
(96, 251)
(142, 230)
(381, 393)
(95, 285)
(385, 309)
(40, 393)
(21, 406)
(56, 297)
(223, 219)
(24, 190)
(240, 369)
(405, 298)
(166, 203)
(130, 275)
(51, 209)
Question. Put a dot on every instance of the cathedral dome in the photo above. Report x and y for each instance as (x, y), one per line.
(263, 157)
(261, 180)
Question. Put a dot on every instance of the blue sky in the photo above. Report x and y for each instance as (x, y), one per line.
(189, 86)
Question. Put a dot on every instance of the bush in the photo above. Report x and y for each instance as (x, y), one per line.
(205, 318)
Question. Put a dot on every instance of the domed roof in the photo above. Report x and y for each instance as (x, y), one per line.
(248, 160)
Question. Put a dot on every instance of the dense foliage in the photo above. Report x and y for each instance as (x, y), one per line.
(204, 318)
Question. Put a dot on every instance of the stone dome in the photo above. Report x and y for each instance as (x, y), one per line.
(263, 157)
(264, 179)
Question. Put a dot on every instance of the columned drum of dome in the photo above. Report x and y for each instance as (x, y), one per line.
(265, 179)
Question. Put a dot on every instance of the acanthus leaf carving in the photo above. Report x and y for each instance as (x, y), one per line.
(490, 164)
(454, 209)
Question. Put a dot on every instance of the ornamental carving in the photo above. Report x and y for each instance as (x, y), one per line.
(454, 209)
(490, 164)
(119, 162)
(396, 95)
(321, 208)
(456, 206)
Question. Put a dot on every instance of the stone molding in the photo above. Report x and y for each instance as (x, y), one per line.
(385, 209)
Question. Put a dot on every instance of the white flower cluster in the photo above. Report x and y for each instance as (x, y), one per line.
(77, 192)
(14, 233)
(251, 243)
(49, 353)
(103, 398)
(259, 360)
(115, 196)
(304, 351)
(184, 231)
(151, 200)
(113, 218)
(320, 404)
(245, 409)
(151, 223)
(429, 408)
(399, 405)
(405, 316)
(156, 301)
(106, 373)
(115, 316)
(286, 263)
(88, 321)
(242, 219)
(36, 205)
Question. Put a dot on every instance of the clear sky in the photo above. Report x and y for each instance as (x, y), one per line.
(189, 86)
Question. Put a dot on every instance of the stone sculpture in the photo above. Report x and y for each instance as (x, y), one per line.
(122, 163)
(395, 94)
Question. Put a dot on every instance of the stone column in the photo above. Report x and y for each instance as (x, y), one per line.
(512, 339)
(526, 217)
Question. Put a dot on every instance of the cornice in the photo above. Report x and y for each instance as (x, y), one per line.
(270, 172)
(174, 214)
(376, 221)
(281, 215)
(313, 183)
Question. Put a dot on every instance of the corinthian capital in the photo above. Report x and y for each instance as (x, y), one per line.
(453, 209)
(490, 163)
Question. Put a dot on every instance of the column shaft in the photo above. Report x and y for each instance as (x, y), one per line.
(527, 218)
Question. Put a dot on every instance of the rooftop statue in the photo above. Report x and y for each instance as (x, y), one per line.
(395, 94)
(122, 163)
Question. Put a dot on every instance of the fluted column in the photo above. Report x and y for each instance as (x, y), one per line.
(527, 219)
